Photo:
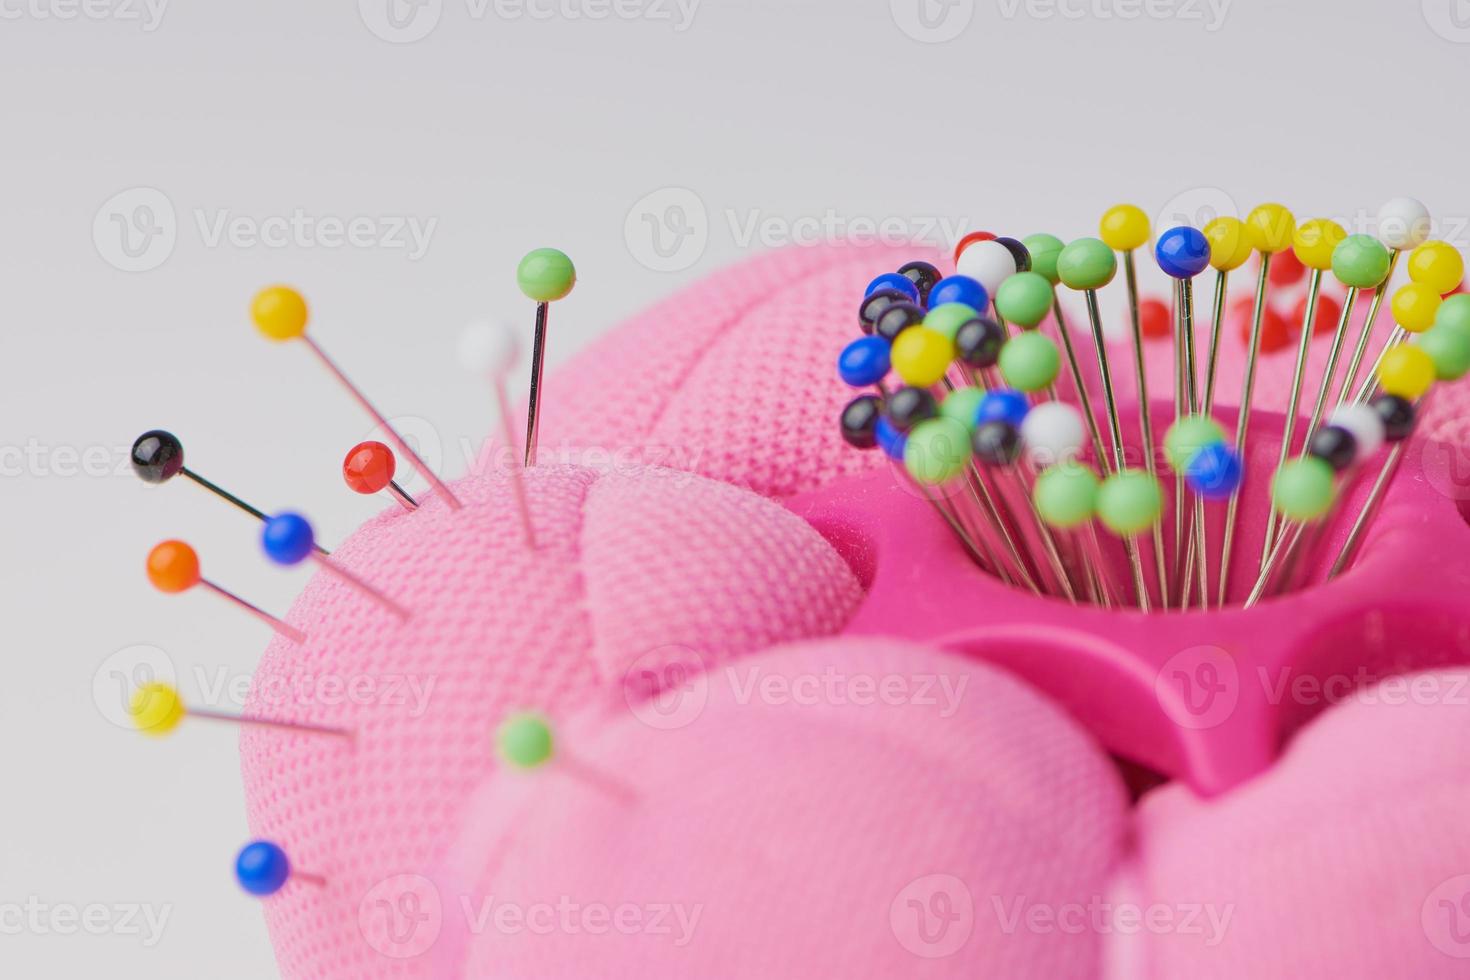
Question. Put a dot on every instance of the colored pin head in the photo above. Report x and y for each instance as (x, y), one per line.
(996, 443)
(1303, 488)
(959, 289)
(1364, 424)
(922, 356)
(1003, 405)
(1187, 437)
(1438, 265)
(1403, 223)
(1025, 299)
(546, 275)
(1397, 414)
(157, 456)
(1230, 246)
(1052, 434)
(156, 709)
(173, 566)
(1406, 370)
(1360, 261)
(1087, 263)
(1124, 227)
(1030, 361)
(947, 318)
(1454, 312)
(525, 741)
(1183, 252)
(923, 275)
(864, 362)
(1314, 242)
(1270, 228)
(1449, 347)
(1214, 472)
(488, 349)
(1335, 446)
(937, 451)
(1129, 501)
(1066, 496)
(287, 539)
(908, 406)
(369, 467)
(978, 342)
(889, 439)
(279, 312)
(1018, 252)
(989, 262)
(897, 318)
(962, 405)
(874, 304)
(262, 868)
(859, 421)
(1044, 250)
(970, 239)
(894, 280)
(1415, 306)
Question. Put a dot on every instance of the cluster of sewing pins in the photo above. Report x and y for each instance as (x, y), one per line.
(280, 313)
(961, 379)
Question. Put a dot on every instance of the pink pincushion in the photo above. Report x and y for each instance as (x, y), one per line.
(794, 826)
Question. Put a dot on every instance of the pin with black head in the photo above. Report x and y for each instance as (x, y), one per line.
(897, 318)
(875, 303)
(158, 456)
(859, 421)
(923, 275)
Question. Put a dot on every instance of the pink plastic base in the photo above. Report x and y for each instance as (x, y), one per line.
(1201, 696)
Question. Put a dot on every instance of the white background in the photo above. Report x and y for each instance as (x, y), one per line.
(509, 132)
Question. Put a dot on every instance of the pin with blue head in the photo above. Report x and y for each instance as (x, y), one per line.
(959, 289)
(1003, 405)
(864, 363)
(889, 439)
(894, 280)
(288, 539)
(263, 869)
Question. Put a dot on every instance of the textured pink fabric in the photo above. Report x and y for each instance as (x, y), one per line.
(764, 812)
(798, 803)
(1349, 861)
(495, 627)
